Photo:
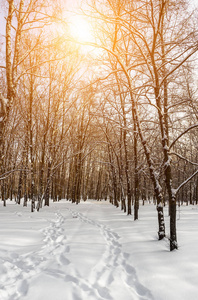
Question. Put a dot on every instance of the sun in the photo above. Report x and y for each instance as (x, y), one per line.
(81, 29)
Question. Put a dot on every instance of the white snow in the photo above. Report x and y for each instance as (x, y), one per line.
(93, 251)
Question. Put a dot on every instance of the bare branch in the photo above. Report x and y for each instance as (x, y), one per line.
(184, 132)
(185, 182)
(182, 157)
(180, 64)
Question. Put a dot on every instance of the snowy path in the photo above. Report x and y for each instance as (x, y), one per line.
(111, 277)
(112, 271)
(93, 251)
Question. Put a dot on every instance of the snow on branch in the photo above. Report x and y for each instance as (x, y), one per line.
(184, 158)
(180, 64)
(184, 132)
(186, 181)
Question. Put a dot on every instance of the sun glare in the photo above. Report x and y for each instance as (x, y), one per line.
(81, 29)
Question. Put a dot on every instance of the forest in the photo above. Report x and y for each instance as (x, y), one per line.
(100, 101)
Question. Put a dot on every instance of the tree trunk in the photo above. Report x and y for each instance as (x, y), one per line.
(48, 185)
(136, 179)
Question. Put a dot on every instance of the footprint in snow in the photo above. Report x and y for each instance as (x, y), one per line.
(63, 260)
(67, 249)
(103, 292)
(71, 278)
(129, 269)
(23, 287)
(133, 282)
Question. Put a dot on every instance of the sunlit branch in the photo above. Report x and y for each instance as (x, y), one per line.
(180, 64)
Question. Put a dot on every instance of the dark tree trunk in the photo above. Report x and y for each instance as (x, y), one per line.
(19, 194)
(48, 186)
(136, 179)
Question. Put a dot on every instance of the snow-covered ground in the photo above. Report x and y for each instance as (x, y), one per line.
(93, 251)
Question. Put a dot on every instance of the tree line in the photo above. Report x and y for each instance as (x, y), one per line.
(118, 122)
